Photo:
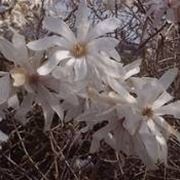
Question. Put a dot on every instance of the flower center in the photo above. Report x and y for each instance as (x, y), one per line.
(19, 76)
(147, 111)
(33, 79)
(79, 50)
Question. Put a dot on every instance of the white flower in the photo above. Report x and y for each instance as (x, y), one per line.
(43, 90)
(145, 114)
(152, 99)
(80, 52)
(114, 133)
(140, 119)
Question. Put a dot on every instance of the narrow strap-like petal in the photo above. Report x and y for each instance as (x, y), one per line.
(103, 27)
(8, 50)
(116, 86)
(47, 42)
(162, 99)
(170, 109)
(5, 88)
(132, 69)
(52, 62)
(58, 26)
(20, 45)
(80, 69)
(102, 44)
(82, 23)
(168, 77)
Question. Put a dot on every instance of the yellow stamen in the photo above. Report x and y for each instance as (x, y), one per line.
(19, 76)
(79, 50)
(147, 111)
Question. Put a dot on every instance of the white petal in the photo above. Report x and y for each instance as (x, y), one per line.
(132, 69)
(60, 72)
(2, 113)
(24, 108)
(82, 23)
(108, 66)
(110, 140)
(150, 91)
(114, 54)
(132, 121)
(58, 26)
(20, 45)
(52, 62)
(47, 42)
(162, 99)
(154, 146)
(103, 98)
(47, 111)
(5, 88)
(170, 109)
(97, 137)
(50, 82)
(80, 68)
(3, 137)
(161, 142)
(102, 44)
(48, 116)
(116, 86)
(8, 50)
(66, 92)
(140, 150)
(13, 101)
(103, 27)
(126, 144)
(98, 112)
(166, 128)
(55, 105)
(72, 110)
(138, 83)
(168, 77)
(50, 98)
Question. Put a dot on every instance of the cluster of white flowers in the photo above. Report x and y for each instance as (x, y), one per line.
(83, 68)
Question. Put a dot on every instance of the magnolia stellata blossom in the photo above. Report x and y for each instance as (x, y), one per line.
(43, 90)
(80, 52)
(138, 119)
(144, 117)
(114, 133)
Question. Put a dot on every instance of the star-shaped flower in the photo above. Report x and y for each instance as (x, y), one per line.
(43, 90)
(138, 118)
(79, 51)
